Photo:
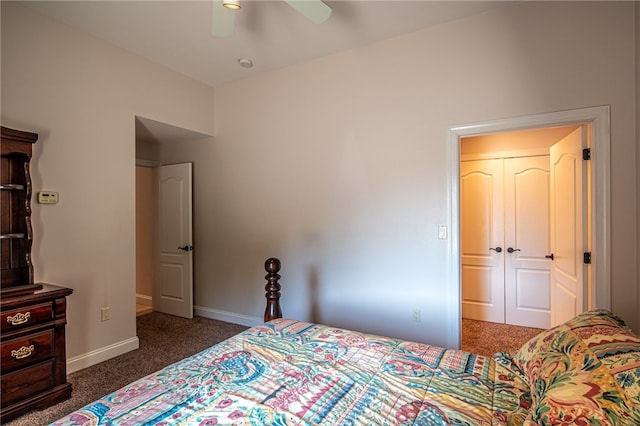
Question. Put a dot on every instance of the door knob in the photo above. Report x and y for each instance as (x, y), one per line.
(549, 256)
(511, 250)
(497, 249)
(186, 248)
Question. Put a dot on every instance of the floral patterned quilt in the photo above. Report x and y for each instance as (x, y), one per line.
(288, 372)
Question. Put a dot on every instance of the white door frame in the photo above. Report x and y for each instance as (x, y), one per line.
(599, 120)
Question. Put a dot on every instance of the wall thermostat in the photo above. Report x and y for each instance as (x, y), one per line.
(47, 197)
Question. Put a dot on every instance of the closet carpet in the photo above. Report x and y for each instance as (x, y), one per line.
(487, 338)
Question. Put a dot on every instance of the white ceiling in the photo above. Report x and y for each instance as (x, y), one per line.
(272, 34)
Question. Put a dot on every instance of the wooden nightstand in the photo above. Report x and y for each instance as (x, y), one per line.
(33, 369)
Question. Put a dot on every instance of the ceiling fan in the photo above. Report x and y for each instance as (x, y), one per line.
(224, 13)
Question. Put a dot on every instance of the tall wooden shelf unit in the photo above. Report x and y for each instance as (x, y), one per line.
(33, 372)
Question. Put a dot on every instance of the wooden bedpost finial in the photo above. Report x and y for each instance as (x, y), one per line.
(272, 266)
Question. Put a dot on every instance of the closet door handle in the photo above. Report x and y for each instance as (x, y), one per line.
(549, 256)
(186, 248)
(497, 249)
(511, 250)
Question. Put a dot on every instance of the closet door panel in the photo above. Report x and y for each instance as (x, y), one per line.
(568, 227)
(527, 215)
(482, 228)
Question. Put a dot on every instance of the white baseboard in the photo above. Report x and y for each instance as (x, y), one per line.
(99, 355)
(227, 316)
(143, 299)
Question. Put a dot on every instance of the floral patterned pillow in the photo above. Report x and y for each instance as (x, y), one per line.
(585, 371)
(512, 399)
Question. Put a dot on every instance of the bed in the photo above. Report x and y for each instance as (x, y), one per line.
(287, 372)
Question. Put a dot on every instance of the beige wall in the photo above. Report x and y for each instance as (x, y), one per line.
(82, 95)
(144, 231)
(338, 165)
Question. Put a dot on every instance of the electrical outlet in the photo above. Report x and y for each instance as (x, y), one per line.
(416, 315)
(105, 314)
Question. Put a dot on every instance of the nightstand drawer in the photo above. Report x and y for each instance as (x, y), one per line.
(24, 351)
(29, 315)
(22, 384)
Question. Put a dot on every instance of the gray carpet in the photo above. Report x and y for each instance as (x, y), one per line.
(164, 339)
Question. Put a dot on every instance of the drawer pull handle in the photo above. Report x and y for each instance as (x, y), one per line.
(23, 352)
(19, 318)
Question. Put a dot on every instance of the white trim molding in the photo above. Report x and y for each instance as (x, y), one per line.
(598, 120)
(143, 299)
(97, 356)
(231, 317)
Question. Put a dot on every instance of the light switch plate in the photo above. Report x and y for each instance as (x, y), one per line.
(442, 232)
(48, 197)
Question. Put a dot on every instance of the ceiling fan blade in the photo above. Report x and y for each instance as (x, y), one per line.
(222, 20)
(315, 10)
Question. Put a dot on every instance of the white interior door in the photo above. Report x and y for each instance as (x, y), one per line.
(482, 227)
(173, 243)
(567, 227)
(527, 270)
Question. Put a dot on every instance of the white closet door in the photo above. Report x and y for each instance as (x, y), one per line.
(527, 270)
(568, 231)
(482, 228)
